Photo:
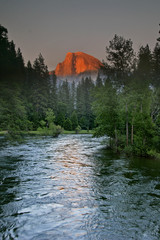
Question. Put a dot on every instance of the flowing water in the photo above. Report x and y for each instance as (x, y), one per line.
(73, 188)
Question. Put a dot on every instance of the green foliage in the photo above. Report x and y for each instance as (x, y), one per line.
(99, 83)
(84, 104)
(128, 150)
(48, 127)
(74, 120)
(144, 61)
(68, 124)
(53, 130)
(30, 99)
(128, 112)
(156, 65)
(60, 119)
(154, 154)
(106, 109)
(64, 98)
(50, 117)
(42, 123)
(78, 129)
(58, 131)
(53, 93)
(120, 55)
(125, 106)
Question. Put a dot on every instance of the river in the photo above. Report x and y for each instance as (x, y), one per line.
(71, 187)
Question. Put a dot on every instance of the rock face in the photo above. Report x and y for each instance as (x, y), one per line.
(76, 64)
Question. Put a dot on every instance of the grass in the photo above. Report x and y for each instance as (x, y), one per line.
(80, 132)
(64, 132)
(2, 133)
(33, 133)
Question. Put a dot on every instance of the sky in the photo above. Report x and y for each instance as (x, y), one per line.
(54, 28)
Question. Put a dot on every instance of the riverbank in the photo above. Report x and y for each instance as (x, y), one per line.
(31, 133)
(64, 132)
(2, 133)
(20, 135)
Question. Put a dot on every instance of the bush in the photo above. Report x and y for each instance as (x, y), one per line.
(152, 153)
(121, 141)
(78, 129)
(53, 130)
(128, 150)
(58, 131)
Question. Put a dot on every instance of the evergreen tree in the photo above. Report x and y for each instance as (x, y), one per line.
(4, 53)
(106, 108)
(120, 55)
(128, 112)
(60, 119)
(12, 110)
(144, 67)
(156, 65)
(73, 97)
(61, 112)
(83, 103)
(50, 117)
(40, 89)
(68, 124)
(53, 96)
(64, 96)
(99, 81)
(74, 120)
(80, 100)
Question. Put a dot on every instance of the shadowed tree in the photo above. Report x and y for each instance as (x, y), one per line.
(120, 55)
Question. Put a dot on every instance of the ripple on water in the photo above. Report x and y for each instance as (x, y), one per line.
(72, 188)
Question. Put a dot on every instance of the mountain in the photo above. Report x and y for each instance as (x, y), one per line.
(77, 65)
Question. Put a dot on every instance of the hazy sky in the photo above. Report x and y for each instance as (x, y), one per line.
(54, 28)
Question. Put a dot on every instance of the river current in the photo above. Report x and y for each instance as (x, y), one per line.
(71, 187)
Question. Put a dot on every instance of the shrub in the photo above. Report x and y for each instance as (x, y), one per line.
(78, 129)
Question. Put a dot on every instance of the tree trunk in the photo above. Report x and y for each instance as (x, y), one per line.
(141, 108)
(132, 134)
(126, 124)
(116, 138)
(110, 142)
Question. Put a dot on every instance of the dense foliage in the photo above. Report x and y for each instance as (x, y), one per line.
(29, 94)
(127, 105)
(124, 104)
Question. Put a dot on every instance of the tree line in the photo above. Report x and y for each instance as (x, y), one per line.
(127, 105)
(30, 96)
(123, 103)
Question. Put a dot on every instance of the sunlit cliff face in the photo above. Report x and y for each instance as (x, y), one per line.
(77, 63)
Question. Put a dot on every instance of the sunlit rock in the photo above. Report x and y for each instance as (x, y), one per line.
(76, 64)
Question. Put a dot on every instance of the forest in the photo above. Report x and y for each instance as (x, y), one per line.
(31, 99)
(123, 103)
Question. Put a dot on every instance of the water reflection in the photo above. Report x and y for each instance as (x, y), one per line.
(9, 182)
(72, 188)
(128, 197)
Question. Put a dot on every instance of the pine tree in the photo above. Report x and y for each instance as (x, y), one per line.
(120, 55)
(83, 103)
(68, 124)
(99, 81)
(40, 88)
(53, 93)
(144, 67)
(74, 120)
(156, 65)
(4, 53)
